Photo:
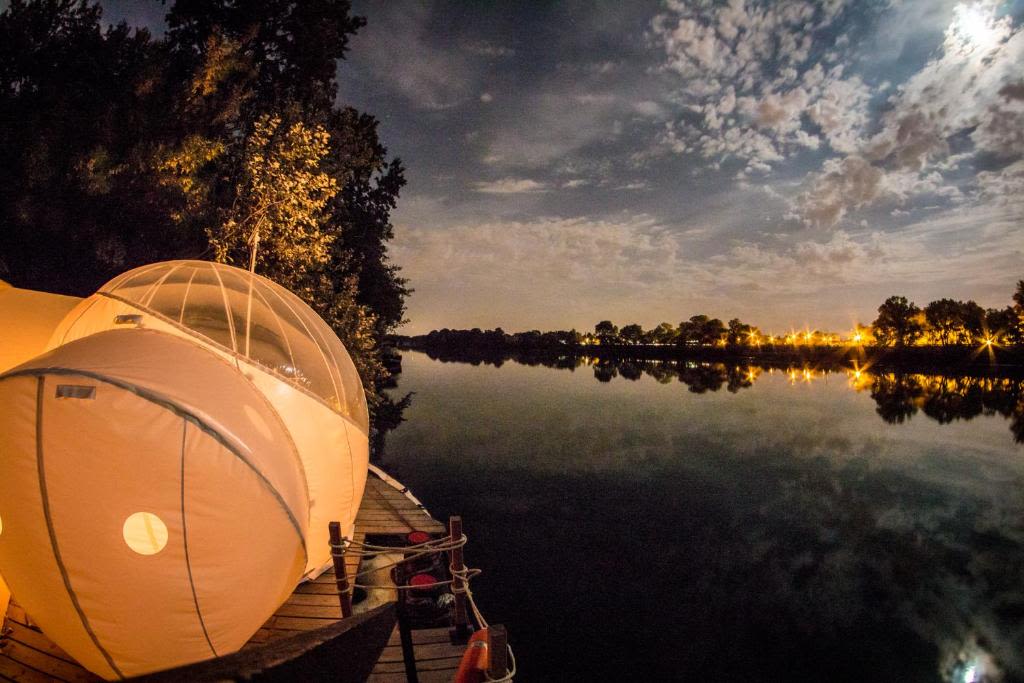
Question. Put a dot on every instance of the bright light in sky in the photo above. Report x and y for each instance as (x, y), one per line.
(778, 162)
(975, 26)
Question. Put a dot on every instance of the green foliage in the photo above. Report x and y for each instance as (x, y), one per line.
(631, 334)
(121, 149)
(277, 219)
(739, 333)
(898, 323)
(946, 319)
(702, 330)
(606, 331)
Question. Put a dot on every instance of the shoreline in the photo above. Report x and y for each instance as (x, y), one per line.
(935, 360)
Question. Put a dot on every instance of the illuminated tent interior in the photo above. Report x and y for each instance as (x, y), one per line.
(169, 465)
(27, 319)
(280, 344)
(146, 524)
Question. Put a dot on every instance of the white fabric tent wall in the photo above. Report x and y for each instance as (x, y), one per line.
(329, 431)
(152, 424)
(5, 597)
(27, 321)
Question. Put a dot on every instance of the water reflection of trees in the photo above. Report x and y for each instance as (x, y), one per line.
(898, 395)
(945, 398)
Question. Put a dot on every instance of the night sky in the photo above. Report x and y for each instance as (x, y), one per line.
(789, 163)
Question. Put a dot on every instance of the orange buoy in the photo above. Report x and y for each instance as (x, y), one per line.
(475, 660)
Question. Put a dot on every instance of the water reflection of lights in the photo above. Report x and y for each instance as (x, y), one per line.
(971, 664)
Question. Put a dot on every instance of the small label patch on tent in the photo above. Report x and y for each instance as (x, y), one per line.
(75, 391)
(128, 319)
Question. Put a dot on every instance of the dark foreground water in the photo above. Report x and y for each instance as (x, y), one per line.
(706, 523)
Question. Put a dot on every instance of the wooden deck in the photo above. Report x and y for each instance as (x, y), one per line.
(29, 656)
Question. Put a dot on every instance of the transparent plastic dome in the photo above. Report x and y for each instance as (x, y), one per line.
(251, 317)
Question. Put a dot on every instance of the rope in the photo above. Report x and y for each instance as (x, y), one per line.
(510, 673)
(458, 584)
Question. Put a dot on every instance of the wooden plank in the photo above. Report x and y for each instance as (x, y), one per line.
(316, 589)
(445, 676)
(312, 599)
(298, 623)
(424, 635)
(315, 611)
(16, 612)
(15, 671)
(37, 640)
(389, 514)
(60, 669)
(344, 652)
(445, 664)
(424, 652)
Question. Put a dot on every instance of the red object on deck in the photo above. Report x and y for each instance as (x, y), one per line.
(475, 660)
(422, 581)
(417, 537)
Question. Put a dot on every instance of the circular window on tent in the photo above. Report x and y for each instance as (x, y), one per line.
(145, 533)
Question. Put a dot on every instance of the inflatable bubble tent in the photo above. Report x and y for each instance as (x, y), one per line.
(241, 313)
(190, 424)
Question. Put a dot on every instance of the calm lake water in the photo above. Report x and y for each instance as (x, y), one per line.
(705, 523)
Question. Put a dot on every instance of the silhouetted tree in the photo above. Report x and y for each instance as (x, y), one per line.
(740, 332)
(631, 334)
(975, 326)
(898, 322)
(665, 333)
(607, 332)
(946, 320)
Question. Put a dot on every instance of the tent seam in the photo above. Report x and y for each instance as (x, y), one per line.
(64, 337)
(40, 384)
(235, 355)
(184, 535)
(178, 410)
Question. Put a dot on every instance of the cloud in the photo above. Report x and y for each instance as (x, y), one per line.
(649, 108)
(486, 97)
(969, 88)
(554, 124)
(841, 186)
(486, 49)
(954, 92)
(745, 69)
(439, 78)
(1005, 187)
(839, 252)
(805, 266)
(510, 186)
(479, 272)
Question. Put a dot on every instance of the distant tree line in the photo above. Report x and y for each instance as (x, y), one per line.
(900, 324)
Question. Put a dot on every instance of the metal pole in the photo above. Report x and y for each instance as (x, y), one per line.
(404, 627)
(461, 618)
(340, 573)
(497, 651)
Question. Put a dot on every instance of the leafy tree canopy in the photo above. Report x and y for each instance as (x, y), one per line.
(222, 136)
